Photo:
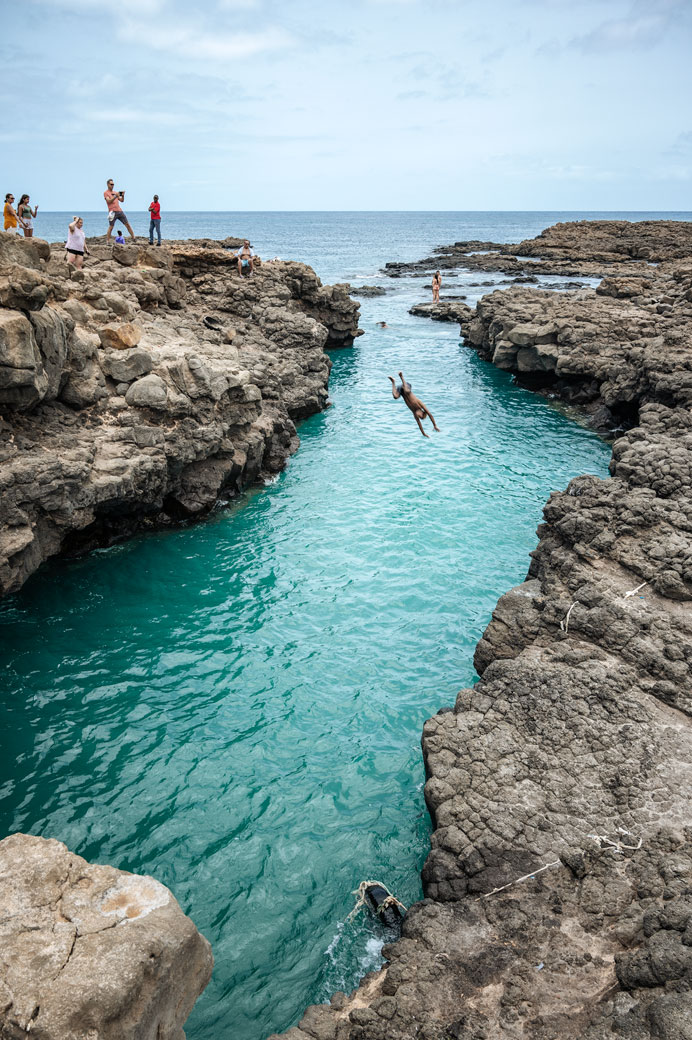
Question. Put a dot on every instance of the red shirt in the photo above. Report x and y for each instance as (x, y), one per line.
(155, 210)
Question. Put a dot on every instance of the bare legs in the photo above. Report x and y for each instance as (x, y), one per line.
(413, 403)
(111, 225)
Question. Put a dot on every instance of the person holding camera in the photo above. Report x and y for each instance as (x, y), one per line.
(113, 199)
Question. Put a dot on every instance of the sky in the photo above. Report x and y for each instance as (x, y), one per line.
(349, 104)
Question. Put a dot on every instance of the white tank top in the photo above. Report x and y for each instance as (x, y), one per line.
(76, 239)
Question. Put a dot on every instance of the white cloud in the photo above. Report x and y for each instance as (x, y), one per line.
(188, 41)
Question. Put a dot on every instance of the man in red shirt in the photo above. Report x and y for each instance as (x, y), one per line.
(155, 222)
(113, 199)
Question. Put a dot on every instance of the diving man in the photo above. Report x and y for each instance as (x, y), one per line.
(414, 403)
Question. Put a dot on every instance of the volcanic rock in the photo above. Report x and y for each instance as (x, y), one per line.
(445, 310)
(107, 425)
(91, 951)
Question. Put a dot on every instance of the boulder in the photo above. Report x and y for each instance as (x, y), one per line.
(23, 381)
(26, 252)
(620, 288)
(85, 384)
(125, 255)
(23, 288)
(126, 365)
(91, 951)
(148, 392)
(51, 330)
(523, 335)
(120, 337)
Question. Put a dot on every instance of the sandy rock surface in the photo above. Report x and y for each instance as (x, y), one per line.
(92, 952)
(559, 882)
(135, 391)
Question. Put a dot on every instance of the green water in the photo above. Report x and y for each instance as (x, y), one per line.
(236, 707)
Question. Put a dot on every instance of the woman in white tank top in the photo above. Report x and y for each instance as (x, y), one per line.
(76, 243)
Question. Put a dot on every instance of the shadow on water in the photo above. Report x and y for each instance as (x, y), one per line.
(236, 707)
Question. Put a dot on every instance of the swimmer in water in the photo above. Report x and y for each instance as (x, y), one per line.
(383, 324)
(414, 403)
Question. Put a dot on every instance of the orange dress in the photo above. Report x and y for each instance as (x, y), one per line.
(10, 218)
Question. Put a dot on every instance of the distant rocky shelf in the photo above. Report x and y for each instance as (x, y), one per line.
(558, 888)
(136, 392)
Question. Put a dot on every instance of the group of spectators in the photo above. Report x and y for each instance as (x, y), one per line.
(22, 219)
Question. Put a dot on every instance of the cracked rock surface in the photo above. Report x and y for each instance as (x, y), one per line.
(559, 881)
(136, 391)
(90, 952)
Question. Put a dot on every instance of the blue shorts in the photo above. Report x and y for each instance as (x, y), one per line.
(244, 263)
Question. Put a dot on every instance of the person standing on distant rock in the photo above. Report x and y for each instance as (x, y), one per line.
(155, 220)
(113, 199)
(436, 286)
(414, 403)
(27, 215)
(11, 219)
(244, 255)
(76, 243)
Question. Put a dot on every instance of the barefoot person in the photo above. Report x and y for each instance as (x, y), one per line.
(113, 199)
(28, 215)
(436, 286)
(414, 403)
(76, 243)
(244, 255)
(11, 220)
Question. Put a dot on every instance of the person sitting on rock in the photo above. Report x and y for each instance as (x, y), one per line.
(414, 403)
(244, 255)
(436, 286)
(120, 238)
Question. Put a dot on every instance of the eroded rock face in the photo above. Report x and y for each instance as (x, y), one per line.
(90, 951)
(559, 882)
(136, 390)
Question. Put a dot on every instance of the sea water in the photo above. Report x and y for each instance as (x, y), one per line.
(235, 707)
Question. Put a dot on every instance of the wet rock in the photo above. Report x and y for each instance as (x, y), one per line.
(367, 290)
(445, 310)
(91, 950)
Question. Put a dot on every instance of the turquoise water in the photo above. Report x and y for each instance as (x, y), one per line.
(236, 707)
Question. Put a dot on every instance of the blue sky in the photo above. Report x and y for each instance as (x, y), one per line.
(349, 104)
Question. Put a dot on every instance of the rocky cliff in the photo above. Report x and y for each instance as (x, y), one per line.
(559, 882)
(92, 952)
(136, 391)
